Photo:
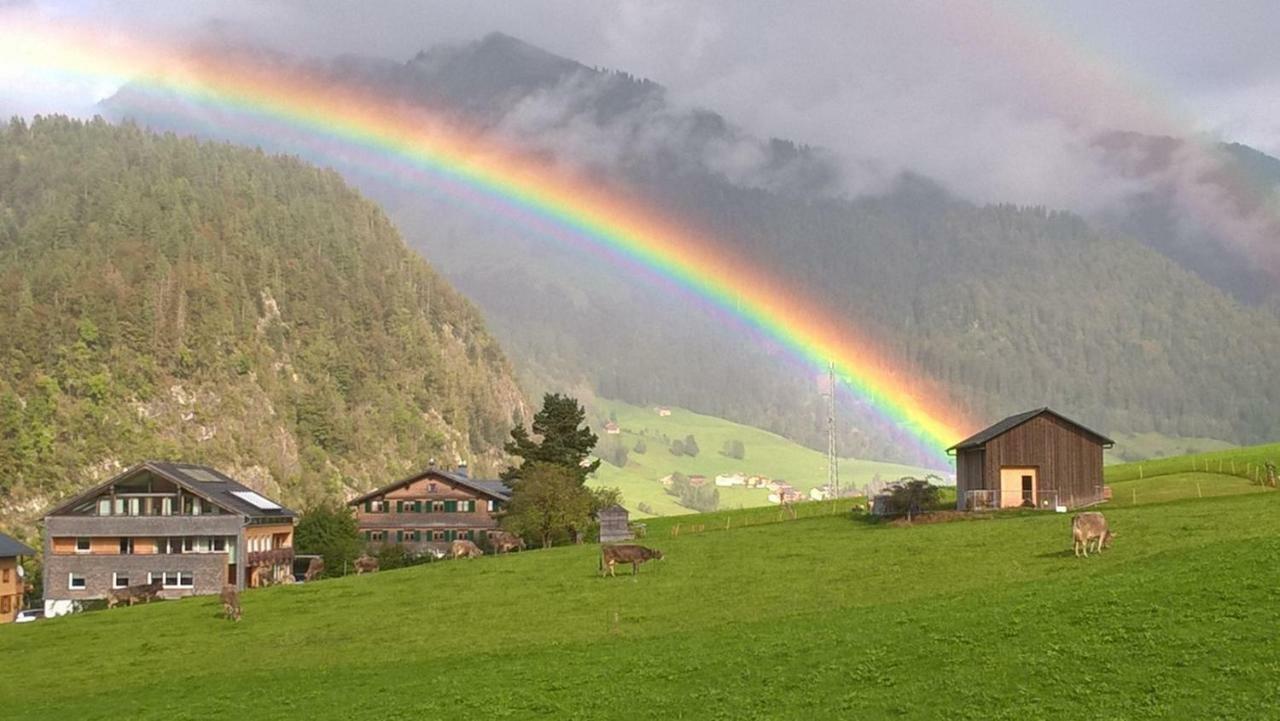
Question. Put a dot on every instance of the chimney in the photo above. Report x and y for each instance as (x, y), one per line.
(462, 469)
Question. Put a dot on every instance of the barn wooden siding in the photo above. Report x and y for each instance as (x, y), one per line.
(1068, 460)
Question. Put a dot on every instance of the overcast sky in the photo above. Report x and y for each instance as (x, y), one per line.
(1004, 91)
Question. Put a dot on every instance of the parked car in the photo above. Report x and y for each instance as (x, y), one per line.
(29, 615)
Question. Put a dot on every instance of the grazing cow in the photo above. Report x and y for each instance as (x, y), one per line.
(230, 603)
(626, 553)
(463, 547)
(314, 569)
(504, 542)
(366, 564)
(1089, 528)
(131, 595)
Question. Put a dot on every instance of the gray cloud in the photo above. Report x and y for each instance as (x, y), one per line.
(1000, 102)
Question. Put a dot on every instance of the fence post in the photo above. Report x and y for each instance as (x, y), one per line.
(1135, 496)
(1139, 471)
(1198, 493)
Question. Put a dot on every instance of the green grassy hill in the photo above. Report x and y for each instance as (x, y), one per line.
(1226, 472)
(767, 454)
(824, 617)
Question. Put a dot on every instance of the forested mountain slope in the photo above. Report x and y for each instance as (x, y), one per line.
(163, 297)
(1006, 307)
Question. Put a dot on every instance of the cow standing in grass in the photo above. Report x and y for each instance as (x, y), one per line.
(504, 542)
(464, 548)
(1089, 528)
(314, 569)
(230, 603)
(366, 564)
(610, 555)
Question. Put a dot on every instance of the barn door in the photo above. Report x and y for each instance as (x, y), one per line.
(1018, 486)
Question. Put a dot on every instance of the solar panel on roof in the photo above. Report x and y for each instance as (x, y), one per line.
(200, 474)
(255, 500)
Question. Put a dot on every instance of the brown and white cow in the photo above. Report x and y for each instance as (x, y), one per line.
(463, 547)
(505, 542)
(1087, 528)
(314, 569)
(230, 603)
(610, 555)
(366, 564)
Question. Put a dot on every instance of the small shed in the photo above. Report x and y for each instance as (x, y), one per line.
(1036, 459)
(614, 525)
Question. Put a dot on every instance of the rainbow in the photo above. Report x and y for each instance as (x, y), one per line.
(624, 229)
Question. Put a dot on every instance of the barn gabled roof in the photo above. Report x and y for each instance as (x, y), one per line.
(209, 483)
(981, 437)
(10, 547)
(496, 490)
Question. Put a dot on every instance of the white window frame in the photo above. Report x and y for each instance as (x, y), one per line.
(71, 583)
(115, 582)
(84, 550)
(492, 505)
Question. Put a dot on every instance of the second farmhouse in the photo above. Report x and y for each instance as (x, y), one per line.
(427, 511)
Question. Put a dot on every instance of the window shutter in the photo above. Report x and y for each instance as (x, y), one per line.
(417, 506)
(451, 506)
(399, 536)
(368, 506)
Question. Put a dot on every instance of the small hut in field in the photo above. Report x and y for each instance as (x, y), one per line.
(614, 524)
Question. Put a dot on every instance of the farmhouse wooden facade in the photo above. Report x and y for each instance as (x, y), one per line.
(1035, 459)
(428, 511)
(12, 584)
(190, 528)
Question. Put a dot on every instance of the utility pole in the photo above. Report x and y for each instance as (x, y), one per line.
(833, 461)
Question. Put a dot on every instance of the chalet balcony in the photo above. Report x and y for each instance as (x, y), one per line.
(274, 557)
(479, 519)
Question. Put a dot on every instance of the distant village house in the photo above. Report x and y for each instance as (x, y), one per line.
(13, 586)
(612, 428)
(189, 528)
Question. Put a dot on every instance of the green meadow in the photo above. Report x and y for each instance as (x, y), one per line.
(825, 616)
(767, 454)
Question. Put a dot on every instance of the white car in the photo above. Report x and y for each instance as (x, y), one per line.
(29, 615)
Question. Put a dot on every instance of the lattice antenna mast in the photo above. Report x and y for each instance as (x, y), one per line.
(833, 461)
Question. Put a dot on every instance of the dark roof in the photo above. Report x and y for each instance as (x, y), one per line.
(10, 546)
(981, 437)
(614, 510)
(494, 489)
(210, 483)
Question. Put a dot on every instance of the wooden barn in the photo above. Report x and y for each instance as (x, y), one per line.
(1038, 459)
(614, 525)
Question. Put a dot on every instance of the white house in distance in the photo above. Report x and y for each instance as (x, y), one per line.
(725, 480)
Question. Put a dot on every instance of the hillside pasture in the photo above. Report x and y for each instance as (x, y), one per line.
(767, 454)
(823, 617)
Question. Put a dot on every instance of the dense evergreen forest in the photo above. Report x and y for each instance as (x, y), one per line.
(1003, 308)
(167, 298)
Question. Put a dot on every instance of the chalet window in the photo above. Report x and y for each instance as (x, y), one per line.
(431, 487)
(119, 509)
(218, 544)
(75, 582)
(83, 545)
(4, 578)
(4, 605)
(493, 506)
(119, 581)
(439, 535)
(135, 506)
(126, 546)
(104, 506)
(375, 535)
(188, 505)
(375, 506)
(188, 544)
(437, 506)
(178, 579)
(166, 506)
